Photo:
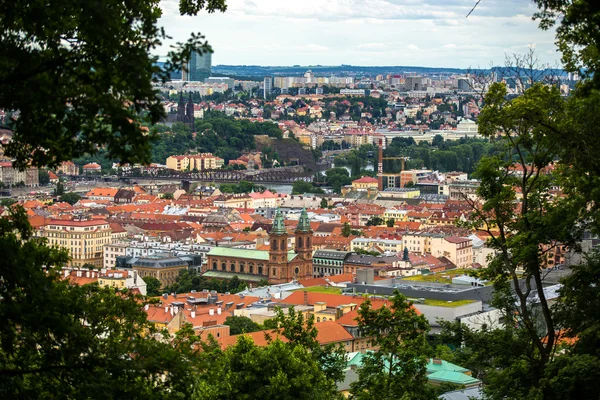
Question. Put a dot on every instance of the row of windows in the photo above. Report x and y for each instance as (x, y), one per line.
(240, 267)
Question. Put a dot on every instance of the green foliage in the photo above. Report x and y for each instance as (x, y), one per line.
(376, 221)
(390, 223)
(337, 177)
(44, 177)
(152, 286)
(397, 369)
(93, 70)
(302, 333)
(301, 187)
(189, 280)
(69, 341)
(70, 197)
(239, 325)
(7, 202)
(217, 133)
(59, 190)
(324, 203)
(246, 371)
(346, 229)
(242, 187)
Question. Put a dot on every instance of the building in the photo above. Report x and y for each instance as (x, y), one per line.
(83, 239)
(365, 183)
(12, 176)
(92, 168)
(277, 265)
(186, 112)
(165, 266)
(329, 262)
(413, 175)
(122, 280)
(198, 67)
(198, 162)
(68, 168)
(267, 86)
(230, 82)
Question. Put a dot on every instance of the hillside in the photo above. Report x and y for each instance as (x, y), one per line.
(288, 149)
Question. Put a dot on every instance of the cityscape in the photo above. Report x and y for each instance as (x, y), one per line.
(174, 227)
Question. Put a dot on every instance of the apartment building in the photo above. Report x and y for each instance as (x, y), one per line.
(83, 239)
(199, 162)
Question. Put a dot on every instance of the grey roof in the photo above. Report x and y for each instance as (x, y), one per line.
(473, 393)
(331, 254)
(370, 260)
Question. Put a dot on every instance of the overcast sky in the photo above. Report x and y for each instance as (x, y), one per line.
(365, 32)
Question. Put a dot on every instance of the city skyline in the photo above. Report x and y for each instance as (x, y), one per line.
(427, 33)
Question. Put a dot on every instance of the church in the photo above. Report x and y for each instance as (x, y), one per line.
(277, 265)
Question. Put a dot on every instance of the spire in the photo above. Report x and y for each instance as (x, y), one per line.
(278, 224)
(303, 222)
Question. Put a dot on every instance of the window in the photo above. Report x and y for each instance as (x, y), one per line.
(274, 272)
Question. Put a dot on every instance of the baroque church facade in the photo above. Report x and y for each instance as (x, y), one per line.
(277, 265)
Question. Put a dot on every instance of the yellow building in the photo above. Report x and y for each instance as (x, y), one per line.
(199, 162)
(83, 239)
(365, 183)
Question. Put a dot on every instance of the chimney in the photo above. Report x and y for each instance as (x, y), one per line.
(171, 310)
(219, 310)
(305, 298)
(146, 307)
(193, 314)
(166, 309)
(211, 311)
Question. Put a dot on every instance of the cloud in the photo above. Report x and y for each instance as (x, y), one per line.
(316, 47)
(372, 46)
(365, 32)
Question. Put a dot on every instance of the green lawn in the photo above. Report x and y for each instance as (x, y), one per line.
(321, 289)
(443, 303)
(438, 277)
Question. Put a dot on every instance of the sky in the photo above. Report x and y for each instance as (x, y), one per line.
(429, 33)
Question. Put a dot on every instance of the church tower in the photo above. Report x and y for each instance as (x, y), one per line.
(189, 113)
(181, 109)
(304, 236)
(278, 251)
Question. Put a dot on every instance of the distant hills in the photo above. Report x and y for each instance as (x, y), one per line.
(256, 72)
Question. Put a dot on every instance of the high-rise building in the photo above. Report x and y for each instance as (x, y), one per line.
(267, 86)
(198, 68)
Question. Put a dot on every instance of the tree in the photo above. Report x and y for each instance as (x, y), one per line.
(247, 371)
(375, 221)
(153, 286)
(324, 203)
(437, 140)
(168, 196)
(301, 332)
(44, 177)
(346, 229)
(70, 197)
(409, 184)
(93, 70)
(397, 369)
(390, 222)
(69, 341)
(301, 187)
(59, 190)
(239, 325)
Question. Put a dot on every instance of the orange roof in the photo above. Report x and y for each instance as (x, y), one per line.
(365, 179)
(102, 192)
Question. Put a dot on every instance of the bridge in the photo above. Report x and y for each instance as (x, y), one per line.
(273, 175)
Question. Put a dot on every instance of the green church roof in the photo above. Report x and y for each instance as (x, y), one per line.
(278, 224)
(303, 222)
